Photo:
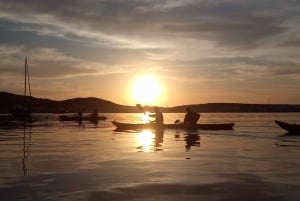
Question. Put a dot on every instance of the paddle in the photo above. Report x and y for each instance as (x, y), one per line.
(177, 121)
(140, 108)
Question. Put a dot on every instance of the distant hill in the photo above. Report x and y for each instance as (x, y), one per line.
(39, 105)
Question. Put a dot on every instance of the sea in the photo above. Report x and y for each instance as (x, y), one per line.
(50, 160)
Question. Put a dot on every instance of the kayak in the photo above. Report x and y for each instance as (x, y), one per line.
(290, 128)
(84, 118)
(132, 126)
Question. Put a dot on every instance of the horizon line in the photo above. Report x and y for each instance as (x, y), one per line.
(191, 104)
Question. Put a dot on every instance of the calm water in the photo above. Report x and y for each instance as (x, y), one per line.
(52, 160)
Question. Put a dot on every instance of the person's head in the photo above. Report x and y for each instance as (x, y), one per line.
(156, 109)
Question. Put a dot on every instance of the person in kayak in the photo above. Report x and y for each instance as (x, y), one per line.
(159, 118)
(191, 117)
(94, 116)
(79, 115)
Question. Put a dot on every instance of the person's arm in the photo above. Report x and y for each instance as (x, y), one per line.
(185, 118)
(151, 115)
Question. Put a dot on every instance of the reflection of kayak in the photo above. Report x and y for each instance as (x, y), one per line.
(76, 118)
(290, 128)
(131, 126)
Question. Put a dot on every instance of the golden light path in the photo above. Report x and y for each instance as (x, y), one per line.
(146, 90)
(145, 140)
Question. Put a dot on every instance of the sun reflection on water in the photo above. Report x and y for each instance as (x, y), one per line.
(144, 140)
(146, 118)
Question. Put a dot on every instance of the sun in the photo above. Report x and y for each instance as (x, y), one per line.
(146, 90)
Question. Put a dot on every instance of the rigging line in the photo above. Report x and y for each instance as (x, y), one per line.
(25, 77)
(28, 78)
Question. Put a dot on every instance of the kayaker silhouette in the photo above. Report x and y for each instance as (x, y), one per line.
(159, 118)
(94, 116)
(191, 117)
(80, 116)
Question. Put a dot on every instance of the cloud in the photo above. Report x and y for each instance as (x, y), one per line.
(201, 42)
(48, 63)
(160, 25)
(142, 24)
(259, 69)
(232, 31)
(109, 23)
(232, 69)
(293, 42)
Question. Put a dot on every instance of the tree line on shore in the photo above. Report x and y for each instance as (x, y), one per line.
(42, 105)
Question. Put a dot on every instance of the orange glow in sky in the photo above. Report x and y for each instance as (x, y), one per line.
(163, 62)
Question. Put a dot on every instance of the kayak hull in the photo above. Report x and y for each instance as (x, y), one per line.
(131, 126)
(76, 118)
(293, 129)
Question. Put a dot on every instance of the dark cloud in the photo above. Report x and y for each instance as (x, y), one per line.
(232, 31)
(258, 65)
(229, 23)
(193, 40)
(294, 43)
(131, 24)
(232, 68)
(256, 61)
(44, 63)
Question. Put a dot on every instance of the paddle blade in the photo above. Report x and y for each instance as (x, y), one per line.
(177, 121)
(140, 107)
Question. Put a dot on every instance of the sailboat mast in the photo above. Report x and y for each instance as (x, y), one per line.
(25, 73)
(28, 79)
(25, 112)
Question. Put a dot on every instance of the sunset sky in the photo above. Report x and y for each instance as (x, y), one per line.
(199, 51)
